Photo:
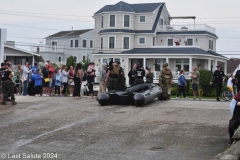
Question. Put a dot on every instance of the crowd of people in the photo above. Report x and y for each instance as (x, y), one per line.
(49, 80)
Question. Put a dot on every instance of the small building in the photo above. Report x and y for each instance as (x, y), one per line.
(61, 45)
(20, 56)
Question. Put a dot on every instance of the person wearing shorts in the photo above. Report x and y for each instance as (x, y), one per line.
(195, 83)
(230, 84)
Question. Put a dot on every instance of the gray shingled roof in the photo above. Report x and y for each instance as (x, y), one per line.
(188, 32)
(70, 33)
(125, 7)
(174, 50)
(232, 65)
(138, 31)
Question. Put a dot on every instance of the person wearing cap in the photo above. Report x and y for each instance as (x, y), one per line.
(217, 78)
(149, 75)
(139, 74)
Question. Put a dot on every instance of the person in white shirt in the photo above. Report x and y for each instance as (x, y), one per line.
(230, 84)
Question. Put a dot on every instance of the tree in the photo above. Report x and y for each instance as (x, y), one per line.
(70, 62)
(85, 63)
(204, 81)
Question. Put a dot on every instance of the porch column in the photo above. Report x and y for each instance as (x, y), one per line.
(209, 64)
(144, 63)
(215, 64)
(33, 60)
(225, 68)
(190, 64)
(167, 60)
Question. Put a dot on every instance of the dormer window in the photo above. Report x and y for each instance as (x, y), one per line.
(142, 19)
(170, 42)
(112, 20)
(126, 20)
(211, 44)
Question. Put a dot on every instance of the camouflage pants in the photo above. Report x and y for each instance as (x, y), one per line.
(112, 84)
(166, 87)
(7, 86)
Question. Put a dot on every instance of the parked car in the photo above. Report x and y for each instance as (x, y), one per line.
(86, 90)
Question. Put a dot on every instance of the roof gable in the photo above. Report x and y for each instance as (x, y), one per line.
(125, 7)
(70, 33)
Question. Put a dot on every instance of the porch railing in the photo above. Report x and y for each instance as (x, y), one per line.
(47, 48)
(188, 27)
(175, 75)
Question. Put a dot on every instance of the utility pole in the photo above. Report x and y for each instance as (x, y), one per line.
(3, 39)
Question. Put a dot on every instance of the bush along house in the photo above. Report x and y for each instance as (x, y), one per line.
(133, 33)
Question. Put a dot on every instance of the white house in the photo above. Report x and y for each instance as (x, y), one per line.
(133, 33)
(61, 45)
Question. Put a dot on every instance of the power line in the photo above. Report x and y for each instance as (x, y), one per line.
(54, 18)
(45, 14)
(28, 27)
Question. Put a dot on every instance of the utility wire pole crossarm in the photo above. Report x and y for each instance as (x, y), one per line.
(3, 39)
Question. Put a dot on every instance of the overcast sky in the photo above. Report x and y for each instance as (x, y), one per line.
(58, 15)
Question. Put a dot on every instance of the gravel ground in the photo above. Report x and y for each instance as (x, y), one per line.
(46, 127)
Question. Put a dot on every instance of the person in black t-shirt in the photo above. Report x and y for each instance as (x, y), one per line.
(217, 78)
(139, 74)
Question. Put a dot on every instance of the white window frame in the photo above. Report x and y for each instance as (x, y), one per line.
(54, 47)
(189, 38)
(115, 20)
(182, 64)
(86, 43)
(129, 20)
(90, 43)
(123, 42)
(209, 44)
(167, 42)
(114, 41)
(140, 18)
(61, 58)
(162, 60)
(144, 41)
(73, 43)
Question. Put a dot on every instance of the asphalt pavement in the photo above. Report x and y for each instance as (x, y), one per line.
(64, 128)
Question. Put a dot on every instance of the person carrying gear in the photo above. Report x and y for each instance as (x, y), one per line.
(217, 78)
(139, 74)
(121, 78)
(112, 76)
(165, 81)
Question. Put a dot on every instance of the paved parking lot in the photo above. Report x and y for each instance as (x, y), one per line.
(46, 127)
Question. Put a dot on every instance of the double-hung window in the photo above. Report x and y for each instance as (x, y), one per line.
(125, 42)
(76, 42)
(142, 19)
(211, 44)
(142, 40)
(126, 20)
(71, 43)
(170, 42)
(111, 42)
(112, 20)
(84, 43)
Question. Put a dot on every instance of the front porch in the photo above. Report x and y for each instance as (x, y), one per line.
(176, 64)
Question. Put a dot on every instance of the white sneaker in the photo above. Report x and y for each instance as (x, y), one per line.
(36, 95)
(44, 95)
(177, 98)
(186, 98)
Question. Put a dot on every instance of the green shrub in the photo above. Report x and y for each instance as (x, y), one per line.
(174, 90)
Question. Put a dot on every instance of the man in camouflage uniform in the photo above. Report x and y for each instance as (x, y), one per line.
(112, 77)
(121, 78)
(165, 81)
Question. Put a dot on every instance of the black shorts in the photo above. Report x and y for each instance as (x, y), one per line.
(18, 82)
(195, 87)
(45, 84)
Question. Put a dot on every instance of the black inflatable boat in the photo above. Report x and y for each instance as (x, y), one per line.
(136, 95)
